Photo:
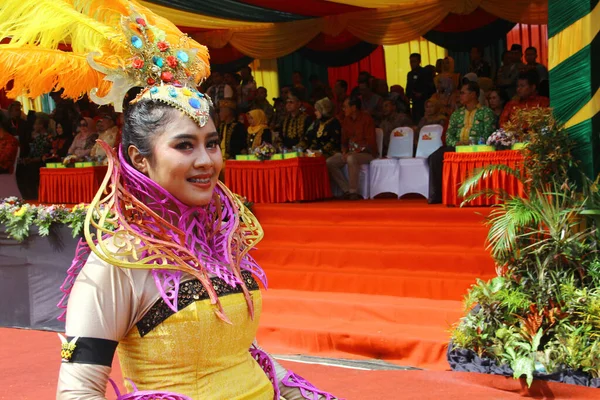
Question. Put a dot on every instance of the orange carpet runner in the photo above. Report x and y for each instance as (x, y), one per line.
(370, 279)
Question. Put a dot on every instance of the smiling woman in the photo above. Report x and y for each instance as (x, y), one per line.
(189, 161)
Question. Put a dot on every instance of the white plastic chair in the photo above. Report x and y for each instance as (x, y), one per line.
(401, 143)
(430, 139)
(379, 138)
(385, 173)
(8, 182)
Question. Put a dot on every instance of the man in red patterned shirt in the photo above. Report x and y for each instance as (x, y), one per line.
(527, 97)
(9, 146)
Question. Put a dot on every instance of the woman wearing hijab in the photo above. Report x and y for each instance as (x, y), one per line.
(258, 131)
(325, 132)
(446, 95)
(84, 141)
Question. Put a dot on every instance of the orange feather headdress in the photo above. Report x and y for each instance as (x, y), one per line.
(116, 45)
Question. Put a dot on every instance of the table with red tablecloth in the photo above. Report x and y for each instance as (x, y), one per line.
(70, 185)
(279, 181)
(459, 166)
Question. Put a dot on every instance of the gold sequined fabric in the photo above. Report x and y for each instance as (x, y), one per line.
(194, 353)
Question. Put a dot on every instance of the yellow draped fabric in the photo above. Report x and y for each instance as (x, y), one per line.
(586, 112)
(523, 11)
(387, 22)
(266, 74)
(397, 58)
(574, 38)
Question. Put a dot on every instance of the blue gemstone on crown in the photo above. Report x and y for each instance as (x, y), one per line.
(154, 90)
(172, 92)
(158, 61)
(136, 42)
(183, 56)
(195, 103)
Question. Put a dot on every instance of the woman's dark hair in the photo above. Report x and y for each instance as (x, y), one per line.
(502, 94)
(355, 101)
(142, 120)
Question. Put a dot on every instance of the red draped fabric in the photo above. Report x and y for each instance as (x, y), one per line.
(70, 185)
(374, 64)
(279, 181)
(459, 166)
(530, 35)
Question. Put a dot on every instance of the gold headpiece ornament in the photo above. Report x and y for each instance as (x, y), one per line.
(115, 45)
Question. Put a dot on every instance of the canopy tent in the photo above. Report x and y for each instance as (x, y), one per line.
(272, 29)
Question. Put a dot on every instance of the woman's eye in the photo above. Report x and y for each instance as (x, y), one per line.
(212, 144)
(184, 146)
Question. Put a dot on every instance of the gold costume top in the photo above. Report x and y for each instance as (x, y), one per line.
(191, 352)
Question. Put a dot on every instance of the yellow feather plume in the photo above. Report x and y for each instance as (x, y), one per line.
(49, 23)
(38, 27)
(53, 70)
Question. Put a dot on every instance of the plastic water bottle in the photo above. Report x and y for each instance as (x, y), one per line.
(481, 140)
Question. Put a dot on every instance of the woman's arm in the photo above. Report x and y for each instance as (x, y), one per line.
(102, 308)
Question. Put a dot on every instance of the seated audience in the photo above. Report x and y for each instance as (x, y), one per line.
(446, 95)
(324, 133)
(532, 64)
(232, 134)
(340, 90)
(527, 97)
(258, 130)
(298, 86)
(359, 146)
(402, 103)
(419, 86)
(60, 142)
(392, 119)
(107, 132)
(479, 66)
(260, 102)
(433, 116)
(219, 89)
(471, 77)
(296, 123)
(279, 114)
(381, 88)
(497, 99)
(18, 125)
(246, 89)
(448, 70)
(318, 88)
(508, 73)
(370, 102)
(39, 144)
(470, 124)
(84, 140)
(9, 146)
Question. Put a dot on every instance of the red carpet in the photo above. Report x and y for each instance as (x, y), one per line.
(29, 363)
(374, 279)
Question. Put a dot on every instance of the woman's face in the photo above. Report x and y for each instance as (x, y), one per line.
(318, 114)
(250, 120)
(429, 109)
(186, 160)
(59, 129)
(83, 127)
(494, 100)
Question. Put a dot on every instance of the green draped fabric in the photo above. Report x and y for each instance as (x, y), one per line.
(296, 62)
(562, 13)
(491, 53)
(571, 88)
(574, 81)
